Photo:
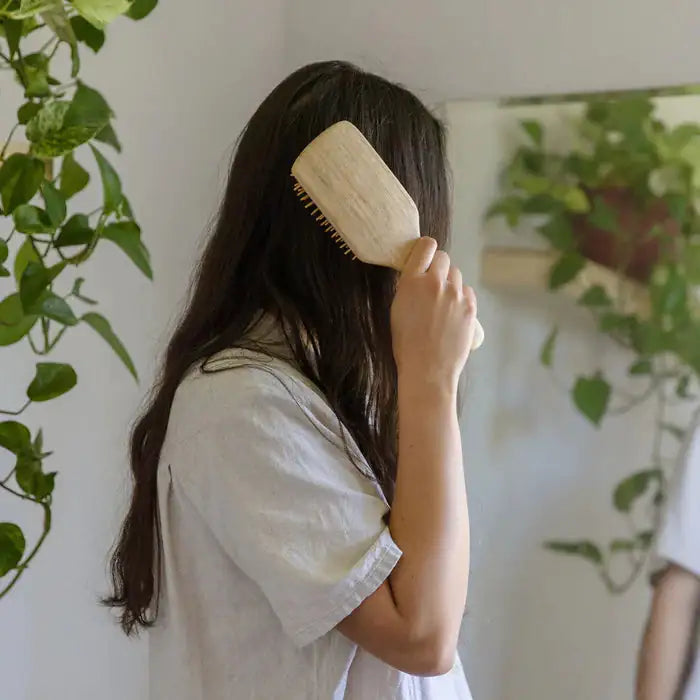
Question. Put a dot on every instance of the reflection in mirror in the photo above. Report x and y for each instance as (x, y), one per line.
(588, 401)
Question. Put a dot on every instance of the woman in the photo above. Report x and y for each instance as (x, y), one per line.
(298, 526)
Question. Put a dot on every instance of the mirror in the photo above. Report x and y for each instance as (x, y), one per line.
(580, 415)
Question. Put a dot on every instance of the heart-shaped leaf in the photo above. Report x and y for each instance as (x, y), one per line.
(56, 308)
(591, 396)
(565, 269)
(100, 325)
(31, 219)
(35, 279)
(20, 177)
(101, 12)
(12, 545)
(141, 8)
(14, 436)
(31, 479)
(548, 348)
(111, 185)
(74, 177)
(76, 231)
(52, 379)
(55, 203)
(87, 33)
(582, 548)
(631, 488)
(11, 307)
(127, 235)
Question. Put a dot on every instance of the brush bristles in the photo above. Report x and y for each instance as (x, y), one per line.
(320, 218)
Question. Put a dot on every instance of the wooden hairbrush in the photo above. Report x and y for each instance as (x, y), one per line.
(356, 198)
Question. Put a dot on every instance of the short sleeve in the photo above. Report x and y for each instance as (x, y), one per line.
(678, 539)
(276, 486)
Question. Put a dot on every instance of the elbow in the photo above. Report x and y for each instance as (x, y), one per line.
(432, 656)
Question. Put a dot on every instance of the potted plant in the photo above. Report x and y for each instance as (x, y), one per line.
(627, 196)
(44, 236)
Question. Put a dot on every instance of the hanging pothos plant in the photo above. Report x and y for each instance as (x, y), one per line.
(43, 238)
(627, 196)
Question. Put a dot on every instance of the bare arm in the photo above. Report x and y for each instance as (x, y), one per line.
(412, 621)
(667, 639)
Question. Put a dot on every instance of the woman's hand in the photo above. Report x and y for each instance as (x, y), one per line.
(433, 317)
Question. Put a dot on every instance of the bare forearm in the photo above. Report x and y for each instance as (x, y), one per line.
(429, 519)
(667, 637)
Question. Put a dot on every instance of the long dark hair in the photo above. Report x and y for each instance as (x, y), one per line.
(266, 254)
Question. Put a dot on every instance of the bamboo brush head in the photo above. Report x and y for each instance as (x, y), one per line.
(354, 196)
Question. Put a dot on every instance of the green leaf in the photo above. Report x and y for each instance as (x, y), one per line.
(127, 235)
(74, 177)
(510, 207)
(14, 436)
(27, 111)
(595, 297)
(52, 379)
(20, 177)
(35, 279)
(56, 18)
(31, 219)
(668, 291)
(676, 431)
(76, 231)
(4, 272)
(11, 333)
(643, 366)
(141, 8)
(36, 75)
(87, 34)
(29, 8)
(31, 479)
(602, 216)
(575, 200)
(55, 203)
(548, 347)
(533, 129)
(565, 269)
(582, 548)
(101, 12)
(645, 538)
(682, 387)
(632, 487)
(591, 396)
(623, 545)
(60, 127)
(109, 136)
(87, 109)
(13, 33)
(56, 308)
(12, 545)
(4, 251)
(111, 184)
(100, 325)
(124, 209)
(25, 255)
(559, 233)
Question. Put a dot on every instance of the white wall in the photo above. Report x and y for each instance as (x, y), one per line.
(449, 49)
(183, 83)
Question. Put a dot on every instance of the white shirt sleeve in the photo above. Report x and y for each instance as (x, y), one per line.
(678, 540)
(273, 481)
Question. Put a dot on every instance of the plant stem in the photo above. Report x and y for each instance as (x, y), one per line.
(7, 142)
(23, 567)
(45, 333)
(16, 413)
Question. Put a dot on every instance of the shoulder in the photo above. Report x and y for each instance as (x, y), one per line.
(242, 389)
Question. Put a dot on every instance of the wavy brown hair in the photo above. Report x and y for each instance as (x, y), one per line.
(266, 254)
